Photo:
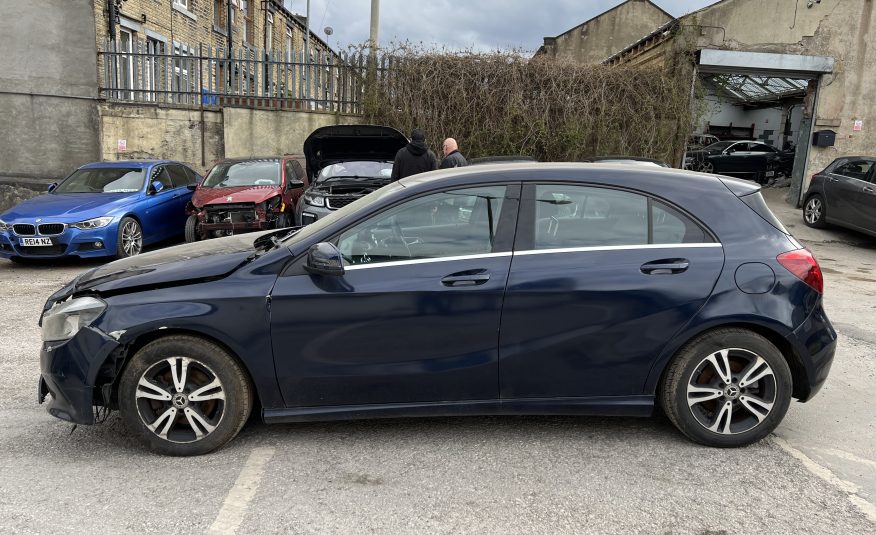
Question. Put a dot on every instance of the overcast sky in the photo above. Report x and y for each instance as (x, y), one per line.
(459, 24)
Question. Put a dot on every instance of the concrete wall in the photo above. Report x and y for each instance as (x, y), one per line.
(607, 34)
(151, 131)
(167, 133)
(842, 29)
(48, 83)
(266, 133)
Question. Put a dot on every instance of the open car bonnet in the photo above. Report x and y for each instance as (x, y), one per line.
(351, 142)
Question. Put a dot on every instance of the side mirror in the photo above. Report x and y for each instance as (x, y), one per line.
(324, 259)
(192, 187)
(52, 186)
(157, 186)
(294, 183)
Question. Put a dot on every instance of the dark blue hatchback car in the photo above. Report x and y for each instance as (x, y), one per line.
(495, 289)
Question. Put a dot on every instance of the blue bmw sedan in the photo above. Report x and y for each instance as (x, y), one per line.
(494, 289)
(102, 209)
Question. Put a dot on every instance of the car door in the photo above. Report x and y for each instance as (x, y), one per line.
(161, 210)
(759, 157)
(597, 288)
(728, 160)
(181, 178)
(864, 201)
(845, 186)
(295, 184)
(415, 317)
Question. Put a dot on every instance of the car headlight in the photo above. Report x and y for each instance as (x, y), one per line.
(4, 225)
(63, 320)
(314, 200)
(88, 224)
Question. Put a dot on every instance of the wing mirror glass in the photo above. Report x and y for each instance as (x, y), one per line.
(324, 259)
(157, 186)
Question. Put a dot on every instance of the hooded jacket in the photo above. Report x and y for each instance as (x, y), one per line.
(414, 158)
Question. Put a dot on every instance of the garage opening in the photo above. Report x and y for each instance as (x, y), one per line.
(758, 111)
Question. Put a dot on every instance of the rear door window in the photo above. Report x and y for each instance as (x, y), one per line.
(569, 216)
(178, 176)
(858, 169)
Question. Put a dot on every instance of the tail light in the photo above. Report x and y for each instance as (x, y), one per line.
(802, 264)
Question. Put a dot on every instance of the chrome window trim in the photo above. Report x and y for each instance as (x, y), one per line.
(427, 260)
(530, 252)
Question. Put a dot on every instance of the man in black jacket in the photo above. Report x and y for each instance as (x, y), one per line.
(452, 156)
(414, 158)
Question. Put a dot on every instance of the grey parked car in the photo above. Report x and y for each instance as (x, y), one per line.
(843, 194)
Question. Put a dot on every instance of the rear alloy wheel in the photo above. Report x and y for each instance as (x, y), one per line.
(814, 212)
(707, 167)
(130, 241)
(728, 388)
(193, 232)
(184, 396)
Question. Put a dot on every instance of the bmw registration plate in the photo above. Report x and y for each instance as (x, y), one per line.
(32, 242)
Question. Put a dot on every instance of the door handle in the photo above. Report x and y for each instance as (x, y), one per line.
(667, 266)
(473, 277)
(868, 189)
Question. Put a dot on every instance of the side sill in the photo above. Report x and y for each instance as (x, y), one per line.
(591, 406)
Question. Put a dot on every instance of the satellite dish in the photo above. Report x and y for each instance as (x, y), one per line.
(328, 30)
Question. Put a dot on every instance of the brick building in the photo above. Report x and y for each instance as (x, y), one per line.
(158, 31)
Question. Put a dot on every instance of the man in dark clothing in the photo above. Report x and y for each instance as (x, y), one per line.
(452, 156)
(414, 158)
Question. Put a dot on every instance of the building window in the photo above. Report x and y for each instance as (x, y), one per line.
(126, 62)
(219, 15)
(248, 8)
(269, 31)
(182, 3)
(151, 69)
(288, 44)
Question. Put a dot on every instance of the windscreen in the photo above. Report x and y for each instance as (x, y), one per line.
(249, 173)
(355, 169)
(103, 180)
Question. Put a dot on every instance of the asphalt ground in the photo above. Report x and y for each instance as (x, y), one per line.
(817, 474)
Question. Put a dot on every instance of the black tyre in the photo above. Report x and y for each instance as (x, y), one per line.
(815, 211)
(727, 388)
(183, 395)
(193, 233)
(130, 238)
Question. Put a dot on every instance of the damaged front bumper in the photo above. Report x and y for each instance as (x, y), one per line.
(69, 372)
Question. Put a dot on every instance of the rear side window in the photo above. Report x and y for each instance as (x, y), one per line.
(584, 216)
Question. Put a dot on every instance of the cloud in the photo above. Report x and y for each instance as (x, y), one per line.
(455, 24)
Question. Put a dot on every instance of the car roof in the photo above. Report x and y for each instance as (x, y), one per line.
(535, 172)
(140, 164)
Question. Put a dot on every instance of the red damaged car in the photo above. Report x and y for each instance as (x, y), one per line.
(244, 195)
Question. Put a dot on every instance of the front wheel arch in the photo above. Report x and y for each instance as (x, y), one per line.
(131, 348)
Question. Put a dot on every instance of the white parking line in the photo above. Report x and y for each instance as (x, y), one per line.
(847, 456)
(849, 488)
(234, 507)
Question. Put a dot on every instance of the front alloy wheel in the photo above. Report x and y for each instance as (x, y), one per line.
(184, 395)
(707, 167)
(729, 387)
(813, 212)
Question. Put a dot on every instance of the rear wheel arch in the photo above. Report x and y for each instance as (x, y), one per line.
(798, 371)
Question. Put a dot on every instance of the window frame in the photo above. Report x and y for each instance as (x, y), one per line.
(503, 242)
(525, 234)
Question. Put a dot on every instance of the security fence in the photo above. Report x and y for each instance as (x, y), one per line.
(152, 72)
